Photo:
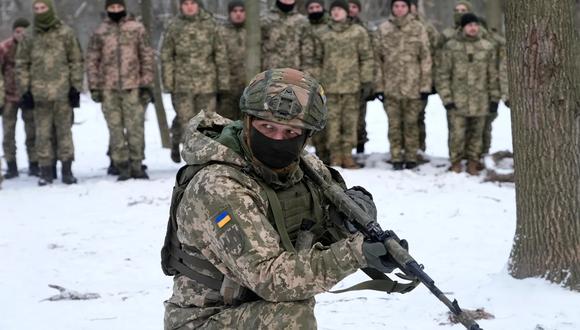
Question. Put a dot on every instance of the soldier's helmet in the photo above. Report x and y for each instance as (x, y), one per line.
(286, 96)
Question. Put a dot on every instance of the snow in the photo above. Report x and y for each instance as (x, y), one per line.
(104, 237)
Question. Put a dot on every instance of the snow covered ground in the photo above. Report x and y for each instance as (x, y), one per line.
(104, 237)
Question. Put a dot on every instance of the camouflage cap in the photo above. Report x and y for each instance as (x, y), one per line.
(286, 96)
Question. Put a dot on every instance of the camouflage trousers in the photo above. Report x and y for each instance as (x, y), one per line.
(125, 118)
(9, 119)
(186, 106)
(343, 113)
(422, 127)
(489, 119)
(361, 134)
(53, 119)
(258, 315)
(465, 137)
(403, 133)
(229, 106)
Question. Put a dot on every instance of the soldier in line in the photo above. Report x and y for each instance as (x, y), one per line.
(234, 32)
(461, 7)
(49, 67)
(8, 49)
(258, 266)
(467, 81)
(317, 15)
(405, 80)
(195, 67)
(120, 70)
(346, 66)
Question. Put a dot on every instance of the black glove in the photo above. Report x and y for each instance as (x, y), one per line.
(507, 104)
(367, 91)
(97, 96)
(380, 96)
(493, 107)
(364, 199)
(74, 98)
(1, 110)
(425, 96)
(378, 258)
(146, 95)
(27, 101)
(450, 106)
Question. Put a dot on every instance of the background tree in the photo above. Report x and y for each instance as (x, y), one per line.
(543, 69)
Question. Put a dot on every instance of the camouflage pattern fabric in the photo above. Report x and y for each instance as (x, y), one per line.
(235, 39)
(8, 50)
(468, 75)
(119, 56)
(49, 63)
(403, 129)
(342, 123)
(486, 143)
(404, 58)
(286, 42)
(194, 57)
(246, 248)
(186, 106)
(53, 119)
(9, 119)
(501, 54)
(465, 136)
(313, 31)
(126, 122)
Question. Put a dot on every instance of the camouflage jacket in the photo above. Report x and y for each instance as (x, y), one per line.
(500, 46)
(8, 49)
(235, 40)
(119, 56)
(49, 63)
(286, 42)
(468, 75)
(313, 31)
(347, 58)
(373, 37)
(194, 57)
(435, 38)
(404, 59)
(247, 249)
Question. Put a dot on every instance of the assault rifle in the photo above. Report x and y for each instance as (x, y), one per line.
(373, 232)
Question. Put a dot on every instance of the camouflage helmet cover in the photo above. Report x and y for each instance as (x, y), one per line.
(286, 96)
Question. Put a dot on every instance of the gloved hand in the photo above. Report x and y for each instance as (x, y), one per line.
(364, 199)
(450, 106)
(74, 98)
(380, 96)
(1, 110)
(507, 104)
(27, 101)
(425, 96)
(378, 258)
(97, 96)
(493, 107)
(146, 95)
(367, 91)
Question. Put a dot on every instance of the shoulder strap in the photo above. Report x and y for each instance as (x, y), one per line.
(278, 216)
(381, 282)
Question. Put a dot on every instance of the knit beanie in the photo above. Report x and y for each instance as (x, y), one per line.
(414, 2)
(468, 18)
(466, 3)
(405, 1)
(339, 3)
(235, 3)
(357, 3)
(20, 22)
(115, 2)
(309, 2)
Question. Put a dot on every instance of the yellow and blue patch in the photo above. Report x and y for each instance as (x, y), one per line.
(222, 219)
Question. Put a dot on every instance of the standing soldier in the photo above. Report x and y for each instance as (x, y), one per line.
(467, 81)
(317, 15)
(234, 33)
(346, 74)
(195, 67)
(461, 7)
(285, 39)
(120, 71)
(405, 79)
(49, 67)
(8, 49)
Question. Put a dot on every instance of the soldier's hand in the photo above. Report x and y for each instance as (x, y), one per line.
(146, 95)
(97, 96)
(367, 91)
(27, 101)
(1, 110)
(450, 106)
(380, 96)
(74, 98)
(507, 104)
(425, 96)
(493, 107)
(364, 199)
(377, 257)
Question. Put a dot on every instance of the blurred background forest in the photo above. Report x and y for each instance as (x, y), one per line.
(85, 15)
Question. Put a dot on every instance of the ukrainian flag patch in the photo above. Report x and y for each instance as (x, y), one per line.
(222, 219)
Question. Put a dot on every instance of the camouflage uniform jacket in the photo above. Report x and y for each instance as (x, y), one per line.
(435, 38)
(248, 248)
(8, 50)
(49, 63)
(235, 39)
(468, 75)
(314, 30)
(286, 42)
(194, 57)
(347, 58)
(404, 59)
(500, 45)
(119, 56)
(373, 37)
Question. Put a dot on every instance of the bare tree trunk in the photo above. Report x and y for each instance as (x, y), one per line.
(544, 90)
(254, 38)
(494, 15)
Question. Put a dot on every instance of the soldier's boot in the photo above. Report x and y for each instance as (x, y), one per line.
(67, 175)
(349, 163)
(360, 148)
(410, 165)
(336, 160)
(398, 166)
(456, 167)
(124, 171)
(12, 170)
(45, 176)
(33, 169)
(175, 156)
(480, 166)
(112, 169)
(54, 171)
(137, 171)
(472, 167)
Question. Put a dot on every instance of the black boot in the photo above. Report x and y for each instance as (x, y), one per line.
(67, 176)
(360, 148)
(12, 171)
(137, 171)
(54, 172)
(112, 170)
(398, 166)
(124, 171)
(33, 169)
(410, 165)
(175, 156)
(45, 176)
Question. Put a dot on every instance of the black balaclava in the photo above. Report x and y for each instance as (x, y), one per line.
(276, 154)
(315, 17)
(284, 7)
(117, 17)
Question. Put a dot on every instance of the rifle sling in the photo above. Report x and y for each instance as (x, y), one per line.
(380, 282)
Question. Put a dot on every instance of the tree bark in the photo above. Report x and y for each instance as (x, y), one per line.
(546, 130)
(253, 40)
